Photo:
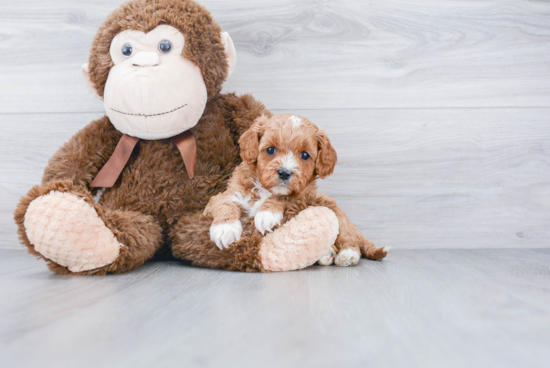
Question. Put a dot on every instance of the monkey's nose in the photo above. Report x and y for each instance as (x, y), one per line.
(284, 174)
(146, 58)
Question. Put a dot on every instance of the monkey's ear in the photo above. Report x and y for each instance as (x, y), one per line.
(250, 140)
(326, 158)
(230, 52)
(88, 81)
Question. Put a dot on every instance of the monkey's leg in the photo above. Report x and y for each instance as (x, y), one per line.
(61, 223)
(298, 243)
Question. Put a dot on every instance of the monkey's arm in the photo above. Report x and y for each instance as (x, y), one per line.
(241, 111)
(80, 159)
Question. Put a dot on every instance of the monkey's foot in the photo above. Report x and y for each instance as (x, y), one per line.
(67, 230)
(301, 241)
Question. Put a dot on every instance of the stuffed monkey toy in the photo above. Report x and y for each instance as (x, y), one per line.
(132, 184)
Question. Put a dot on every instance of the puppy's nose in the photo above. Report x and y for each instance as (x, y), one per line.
(146, 58)
(284, 174)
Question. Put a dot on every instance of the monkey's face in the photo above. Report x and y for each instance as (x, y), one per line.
(153, 91)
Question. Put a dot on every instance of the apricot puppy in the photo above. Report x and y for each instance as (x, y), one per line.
(282, 156)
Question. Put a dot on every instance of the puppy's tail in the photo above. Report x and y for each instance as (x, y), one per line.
(369, 250)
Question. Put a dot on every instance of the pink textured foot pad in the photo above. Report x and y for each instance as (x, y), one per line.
(300, 242)
(64, 228)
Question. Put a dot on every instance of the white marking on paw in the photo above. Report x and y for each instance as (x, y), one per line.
(347, 257)
(266, 220)
(327, 258)
(226, 233)
(296, 121)
(386, 249)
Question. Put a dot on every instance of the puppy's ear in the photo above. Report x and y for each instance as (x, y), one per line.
(250, 140)
(326, 157)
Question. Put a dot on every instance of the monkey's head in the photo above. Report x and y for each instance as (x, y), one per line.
(155, 63)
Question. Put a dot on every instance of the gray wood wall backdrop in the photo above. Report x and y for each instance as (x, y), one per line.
(439, 109)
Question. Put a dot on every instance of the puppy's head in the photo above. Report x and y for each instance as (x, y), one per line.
(289, 152)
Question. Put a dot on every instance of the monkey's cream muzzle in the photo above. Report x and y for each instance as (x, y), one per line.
(150, 94)
(146, 58)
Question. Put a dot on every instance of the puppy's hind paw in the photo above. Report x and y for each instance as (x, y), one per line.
(225, 233)
(347, 257)
(328, 258)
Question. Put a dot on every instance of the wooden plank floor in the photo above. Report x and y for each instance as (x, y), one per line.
(418, 308)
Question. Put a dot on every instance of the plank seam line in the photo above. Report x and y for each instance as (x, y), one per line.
(315, 109)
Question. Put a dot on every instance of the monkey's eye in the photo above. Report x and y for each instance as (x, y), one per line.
(304, 156)
(127, 50)
(165, 46)
(271, 151)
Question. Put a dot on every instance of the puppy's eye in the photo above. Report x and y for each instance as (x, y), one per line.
(271, 151)
(165, 46)
(127, 50)
(304, 156)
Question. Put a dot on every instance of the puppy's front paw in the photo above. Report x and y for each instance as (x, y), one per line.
(267, 220)
(347, 257)
(225, 233)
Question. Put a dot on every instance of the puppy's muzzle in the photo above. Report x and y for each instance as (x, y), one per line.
(284, 174)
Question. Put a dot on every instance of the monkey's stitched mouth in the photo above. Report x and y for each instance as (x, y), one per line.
(162, 113)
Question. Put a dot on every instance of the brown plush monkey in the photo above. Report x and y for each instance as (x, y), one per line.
(167, 144)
